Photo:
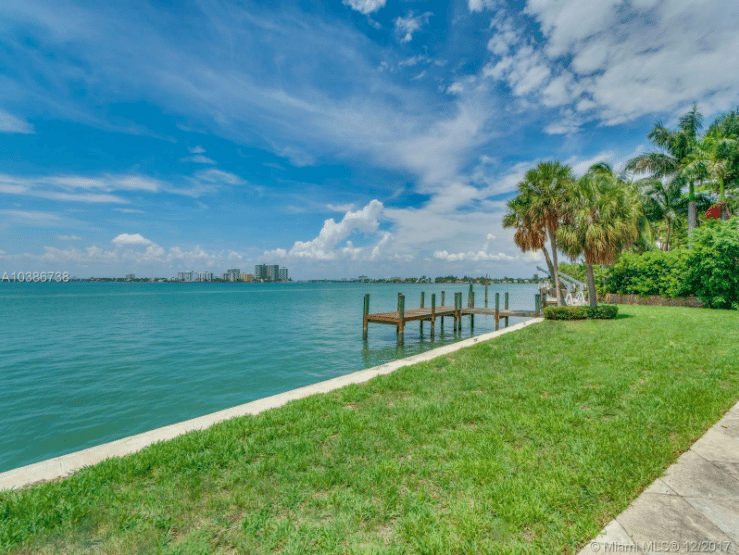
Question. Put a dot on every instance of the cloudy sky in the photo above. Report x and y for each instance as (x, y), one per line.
(377, 137)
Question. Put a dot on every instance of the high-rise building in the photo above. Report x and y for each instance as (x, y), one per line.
(233, 274)
(273, 272)
(270, 272)
(188, 276)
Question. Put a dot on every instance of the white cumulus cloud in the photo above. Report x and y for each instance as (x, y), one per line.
(406, 26)
(365, 6)
(324, 246)
(126, 239)
(616, 60)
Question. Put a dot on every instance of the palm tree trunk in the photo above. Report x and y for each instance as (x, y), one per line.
(724, 214)
(549, 261)
(669, 231)
(592, 295)
(692, 220)
(692, 213)
(555, 265)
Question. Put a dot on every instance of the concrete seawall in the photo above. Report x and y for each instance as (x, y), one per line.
(65, 465)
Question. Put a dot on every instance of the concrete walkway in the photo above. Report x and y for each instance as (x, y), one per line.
(693, 508)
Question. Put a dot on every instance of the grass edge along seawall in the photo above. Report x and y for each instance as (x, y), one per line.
(528, 444)
(66, 465)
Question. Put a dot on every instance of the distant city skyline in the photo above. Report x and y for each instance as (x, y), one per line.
(375, 137)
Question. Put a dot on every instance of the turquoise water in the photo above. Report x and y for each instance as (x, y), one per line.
(86, 363)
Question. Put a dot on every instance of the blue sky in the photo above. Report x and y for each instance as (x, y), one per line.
(377, 137)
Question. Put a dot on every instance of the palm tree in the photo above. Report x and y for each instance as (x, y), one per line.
(728, 126)
(715, 158)
(664, 203)
(601, 220)
(539, 208)
(528, 236)
(671, 159)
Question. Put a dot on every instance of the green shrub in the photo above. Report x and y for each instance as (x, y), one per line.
(652, 273)
(710, 270)
(712, 273)
(601, 312)
(566, 312)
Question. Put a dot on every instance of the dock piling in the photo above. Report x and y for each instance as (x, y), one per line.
(506, 307)
(366, 313)
(486, 296)
(537, 304)
(401, 315)
(443, 293)
(433, 313)
(497, 311)
(458, 312)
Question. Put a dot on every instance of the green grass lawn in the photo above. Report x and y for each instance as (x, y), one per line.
(529, 443)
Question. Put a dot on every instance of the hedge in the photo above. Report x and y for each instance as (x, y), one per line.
(601, 312)
(652, 273)
(710, 270)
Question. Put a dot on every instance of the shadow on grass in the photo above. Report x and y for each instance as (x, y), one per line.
(621, 316)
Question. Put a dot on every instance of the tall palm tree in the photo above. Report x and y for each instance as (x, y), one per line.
(602, 219)
(671, 159)
(542, 194)
(529, 236)
(728, 126)
(715, 158)
(645, 238)
(664, 203)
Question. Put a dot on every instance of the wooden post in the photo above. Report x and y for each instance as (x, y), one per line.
(364, 319)
(442, 304)
(433, 313)
(537, 304)
(401, 315)
(469, 297)
(423, 298)
(497, 311)
(457, 312)
(472, 305)
(506, 307)
(486, 296)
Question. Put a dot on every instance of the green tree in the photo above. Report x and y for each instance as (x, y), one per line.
(537, 211)
(714, 158)
(713, 266)
(529, 232)
(664, 202)
(601, 220)
(670, 160)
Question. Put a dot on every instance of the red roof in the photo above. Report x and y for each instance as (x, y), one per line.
(714, 212)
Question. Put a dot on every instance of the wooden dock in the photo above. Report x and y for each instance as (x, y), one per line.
(400, 317)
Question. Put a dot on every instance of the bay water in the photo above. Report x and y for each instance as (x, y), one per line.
(86, 363)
